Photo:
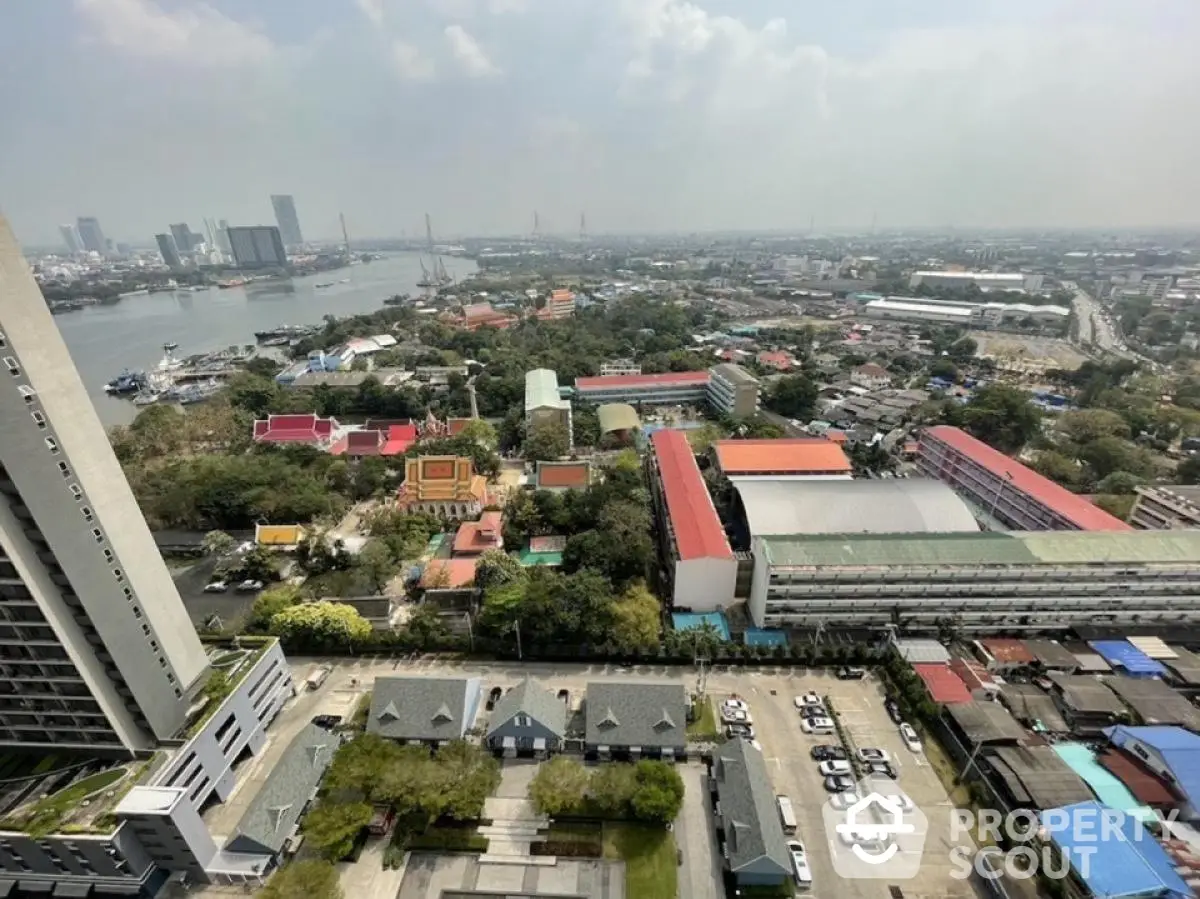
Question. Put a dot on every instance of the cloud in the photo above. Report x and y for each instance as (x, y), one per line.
(373, 10)
(410, 63)
(469, 53)
(195, 34)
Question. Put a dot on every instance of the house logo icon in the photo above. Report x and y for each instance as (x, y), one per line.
(874, 833)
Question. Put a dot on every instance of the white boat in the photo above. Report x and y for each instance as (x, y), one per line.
(147, 398)
(168, 362)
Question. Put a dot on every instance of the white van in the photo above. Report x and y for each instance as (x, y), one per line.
(786, 815)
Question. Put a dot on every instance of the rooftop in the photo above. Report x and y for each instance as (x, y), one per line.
(558, 475)
(666, 379)
(449, 574)
(747, 805)
(423, 708)
(1154, 702)
(944, 685)
(801, 455)
(541, 390)
(1007, 650)
(900, 505)
(698, 530)
(619, 714)
(1083, 514)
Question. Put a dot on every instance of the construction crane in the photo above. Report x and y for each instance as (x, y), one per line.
(345, 235)
(429, 231)
(582, 226)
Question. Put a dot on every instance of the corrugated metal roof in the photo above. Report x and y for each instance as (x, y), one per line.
(541, 390)
(698, 530)
(1152, 647)
(1123, 654)
(943, 684)
(666, 379)
(1075, 509)
(798, 455)
(1066, 547)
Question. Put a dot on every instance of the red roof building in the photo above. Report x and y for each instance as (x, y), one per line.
(1017, 496)
(1004, 654)
(780, 361)
(799, 457)
(701, 566)
(476, 537)
(449, 574)
(944, 686)
(392, 441)
(477, 315)
(563, 475)
(975, 678)
(310, 430)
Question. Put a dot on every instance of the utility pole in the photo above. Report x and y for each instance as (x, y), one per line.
(517, 629)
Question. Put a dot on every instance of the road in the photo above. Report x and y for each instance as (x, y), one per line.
(1095, 328)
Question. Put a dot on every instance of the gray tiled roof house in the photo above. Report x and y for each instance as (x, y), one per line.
(755, 846)
(274, 811)
(528, 717)
(628, 715)
(424, 709)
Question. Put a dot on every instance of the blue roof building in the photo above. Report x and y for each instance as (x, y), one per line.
(1170, 752)
(1128, 658)
(1112, 854)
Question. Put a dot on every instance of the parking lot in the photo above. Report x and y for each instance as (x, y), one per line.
(770, 693)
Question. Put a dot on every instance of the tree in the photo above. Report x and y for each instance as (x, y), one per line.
(321, 626)
(635, 620)
(270, 603)
(705, 436)
(1188, 471)
(374, 566)
(308, 879)
(545, 442)
(1119, 482)
(333, 827)
(612, 786)
(467, 776)
(360, 768)
(1106, 455)
(999, 415)
(409, 779)
(559, 786)
(963, 349)
(659, 793)
(481, 432)
(218, 543)
(496, 568)
(793, 396)
(1082, 426)
(1058, 467)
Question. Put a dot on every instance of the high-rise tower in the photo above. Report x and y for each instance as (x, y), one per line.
(91, 235)
(286, 218)
(96, 649)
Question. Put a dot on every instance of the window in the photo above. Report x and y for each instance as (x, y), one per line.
(13, 368)
(98, 535)
(28, 393)
(86, 512)
(76, 491)
(119, 575)
(146, 629)
(128, 593)
(65, 469)
(137, 612)
(3, 339)
(52, 445)
(39, 419)
(108, 555)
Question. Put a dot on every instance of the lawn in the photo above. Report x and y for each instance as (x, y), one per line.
(649, 856)
(704, 723)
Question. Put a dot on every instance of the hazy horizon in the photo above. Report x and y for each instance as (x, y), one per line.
(653, 116)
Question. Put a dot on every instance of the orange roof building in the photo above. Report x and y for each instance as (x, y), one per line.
(477, 537)
(477, 315)
(563, 476)
(449, 574)
(446, 486)
(786, 459)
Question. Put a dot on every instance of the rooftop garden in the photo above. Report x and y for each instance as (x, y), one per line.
(230, 664)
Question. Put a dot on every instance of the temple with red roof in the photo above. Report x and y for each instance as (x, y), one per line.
(477, 537)
(308, 429)
(1004, 489)
(391, 441)
(701, 566)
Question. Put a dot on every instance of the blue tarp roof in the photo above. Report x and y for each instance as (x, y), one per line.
(685, 620)
(1114, 859)
(1179, 748)
(1123, 654)
(757, 636)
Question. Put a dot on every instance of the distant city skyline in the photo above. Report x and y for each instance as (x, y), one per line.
(651, 115)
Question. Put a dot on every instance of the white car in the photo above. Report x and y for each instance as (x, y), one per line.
(216, 587)
(909, 736)
(833, 768)
(800, 869)
(807, 699)
(735, 716)
(816, 725)
(869, 754)
(843, 801)
(737, 704)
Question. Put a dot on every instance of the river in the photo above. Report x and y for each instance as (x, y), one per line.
(104, 340)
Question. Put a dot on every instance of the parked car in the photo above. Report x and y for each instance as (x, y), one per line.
(909, 736)
(893, 710)
(216, 587)
(847, 672)
(816, 725)
(825, 752)
(806, 700)
(843, 801)
(834, 767)
(800, 868)
(734, 731)
(249, 586)
(868, 754)
(881, 769)
(735, 716)
(839, 783)
(734, 703)
(814, 711)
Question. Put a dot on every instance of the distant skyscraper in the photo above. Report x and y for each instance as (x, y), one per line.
(91, 236)
(289, 222)
(183, 237)
(166, 249)
(97, 652)
(257, 246)
(223, 239)
(71, 239)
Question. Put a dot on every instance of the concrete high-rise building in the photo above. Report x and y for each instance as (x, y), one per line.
(91, 235)
(223, 239)
(166, 249)
(183, 237)
(257, 246)
(289, 222)
(97, 652)
(71, 239)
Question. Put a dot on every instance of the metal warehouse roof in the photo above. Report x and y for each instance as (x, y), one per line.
(541, 390)
(989, 548)
(1123, 654)
(698, 530)
(901, 505)
(1074, 508)
(1117, 859)
(1155, 702)
(944, 685)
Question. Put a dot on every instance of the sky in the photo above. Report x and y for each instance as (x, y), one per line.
(646, 115)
